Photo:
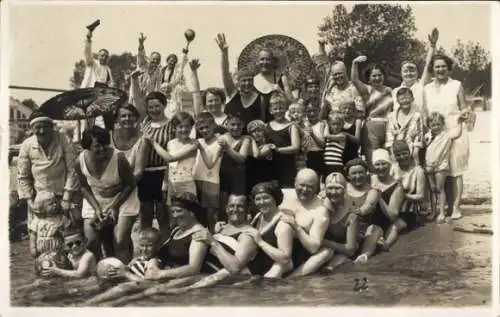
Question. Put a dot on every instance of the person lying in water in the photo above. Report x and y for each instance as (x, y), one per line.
(83, 261)
(309, 219)
(181, 255)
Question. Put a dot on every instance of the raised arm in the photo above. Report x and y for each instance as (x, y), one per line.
(141, 53)
(433, 38)
(195, 81)
(135, 96)
(87, 52)
(227, 80)
(361, 87)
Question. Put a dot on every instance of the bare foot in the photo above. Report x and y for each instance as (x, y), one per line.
(361, 259)
(440, 218)
(456, 214)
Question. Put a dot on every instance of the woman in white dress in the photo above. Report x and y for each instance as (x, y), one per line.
(109, 191)
(446, 96)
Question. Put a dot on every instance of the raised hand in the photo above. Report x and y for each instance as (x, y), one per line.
(360, 59)
(221, 41)
(433, 37)
(142, 38)
(194, 64)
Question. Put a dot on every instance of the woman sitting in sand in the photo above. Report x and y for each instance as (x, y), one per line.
(343, 235)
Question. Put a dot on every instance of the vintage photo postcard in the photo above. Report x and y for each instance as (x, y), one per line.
(316, 157)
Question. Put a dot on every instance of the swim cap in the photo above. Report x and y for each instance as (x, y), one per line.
(381, 155)
(268, 188)
(336, 179)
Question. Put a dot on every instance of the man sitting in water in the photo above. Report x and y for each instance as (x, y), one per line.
(309, 218)
(82, 260)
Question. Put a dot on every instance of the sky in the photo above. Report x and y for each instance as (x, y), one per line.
(46, 40)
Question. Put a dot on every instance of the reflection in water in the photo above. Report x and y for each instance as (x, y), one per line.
(431, 266)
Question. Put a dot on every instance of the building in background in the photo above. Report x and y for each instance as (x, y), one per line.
(18, 120)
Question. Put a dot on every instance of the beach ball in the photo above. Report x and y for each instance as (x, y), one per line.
(108, 263)
(46, 259)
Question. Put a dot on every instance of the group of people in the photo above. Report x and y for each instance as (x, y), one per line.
(261, 177)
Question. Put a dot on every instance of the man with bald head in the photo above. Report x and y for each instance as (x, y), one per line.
(339, 90)
(309, 218)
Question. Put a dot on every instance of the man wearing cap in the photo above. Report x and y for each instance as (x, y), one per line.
(45, 164)
(309, 218)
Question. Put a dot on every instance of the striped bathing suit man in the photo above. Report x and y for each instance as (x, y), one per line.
(151, 183)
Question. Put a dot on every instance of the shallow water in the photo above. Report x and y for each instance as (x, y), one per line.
(433, 265)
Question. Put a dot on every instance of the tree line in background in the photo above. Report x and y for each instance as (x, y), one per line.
(382, 32)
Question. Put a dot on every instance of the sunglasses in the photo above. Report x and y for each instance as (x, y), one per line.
(76, 243)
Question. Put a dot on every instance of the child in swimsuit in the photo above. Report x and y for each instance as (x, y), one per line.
(46, 228)
(437, 158)
(83, 261)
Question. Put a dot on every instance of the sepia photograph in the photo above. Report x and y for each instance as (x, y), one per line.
(319, 154)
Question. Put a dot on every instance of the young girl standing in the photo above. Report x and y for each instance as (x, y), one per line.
(352, 128)
(316, 130)
(180, 155)
(260, 167)
(437, 158)
(207, 167)
(235, 149)
(285, 136)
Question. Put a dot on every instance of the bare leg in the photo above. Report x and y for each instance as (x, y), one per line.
(163, 219)
(314, 263)
(277, 270)
(458, 188)
(123, 240)
(33, 251)
(440, 188)
(175, 286)
(373, 234)
(336, 261)
(93, 240)
(393, 233)
(146, 213)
